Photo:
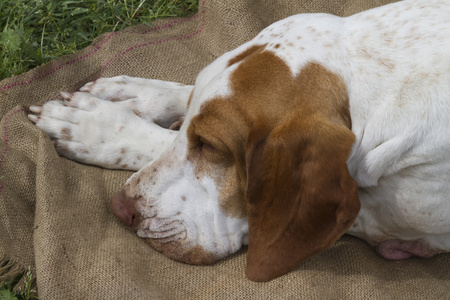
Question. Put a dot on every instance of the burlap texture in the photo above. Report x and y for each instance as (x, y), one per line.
(55, 214)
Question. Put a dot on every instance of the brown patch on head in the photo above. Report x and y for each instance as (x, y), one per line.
(302, 124)
(271, 93)
(218, 156)
(246, 53)
(232, 194)
(223, 125)
(66, 134)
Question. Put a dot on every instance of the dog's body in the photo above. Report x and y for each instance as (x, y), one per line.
(319, 125)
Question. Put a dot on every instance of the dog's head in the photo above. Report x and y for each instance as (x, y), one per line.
(260, 159)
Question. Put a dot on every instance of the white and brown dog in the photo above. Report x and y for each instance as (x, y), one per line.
(317, 127)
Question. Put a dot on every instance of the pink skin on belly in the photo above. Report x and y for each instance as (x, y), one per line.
(398, 249)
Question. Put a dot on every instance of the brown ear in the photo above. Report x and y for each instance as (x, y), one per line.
(300, 196)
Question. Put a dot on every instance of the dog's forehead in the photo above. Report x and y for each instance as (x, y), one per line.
(292, 40)
(213, 82)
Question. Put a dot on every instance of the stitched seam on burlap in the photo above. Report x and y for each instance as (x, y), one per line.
(5, 138)
(170, 24)
(178, 38)
(167, 25)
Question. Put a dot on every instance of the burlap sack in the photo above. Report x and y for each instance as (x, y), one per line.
(55, 214)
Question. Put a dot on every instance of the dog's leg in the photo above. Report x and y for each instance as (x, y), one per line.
(101, 132)
(161, 102)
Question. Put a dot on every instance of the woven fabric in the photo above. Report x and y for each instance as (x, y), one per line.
(55, 214)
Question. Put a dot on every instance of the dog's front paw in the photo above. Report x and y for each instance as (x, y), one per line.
(98, 132)
(154, 100)
(119, 88)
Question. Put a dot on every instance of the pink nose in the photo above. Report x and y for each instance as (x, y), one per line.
(124, 208)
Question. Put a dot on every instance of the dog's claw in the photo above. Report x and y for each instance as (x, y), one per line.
(36, 109)
(66, 95)
(33, 118)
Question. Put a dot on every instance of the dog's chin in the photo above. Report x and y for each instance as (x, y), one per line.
(178, 251)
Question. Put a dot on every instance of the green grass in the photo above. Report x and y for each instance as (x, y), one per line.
(26, 293)
(33, 32)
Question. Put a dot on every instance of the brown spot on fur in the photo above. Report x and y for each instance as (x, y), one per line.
(66, 134)
(387, 63)
(312, 29)
(183, 198)
(137, 112)
(277, 46)
(118, 161)
(122, 151)
(246, 53)
(121, 128)
(365, 53)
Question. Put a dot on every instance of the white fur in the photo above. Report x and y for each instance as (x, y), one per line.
(396, 65)
(176, 194)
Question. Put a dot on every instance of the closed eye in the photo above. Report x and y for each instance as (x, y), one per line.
(204, 146)
(203, 150)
